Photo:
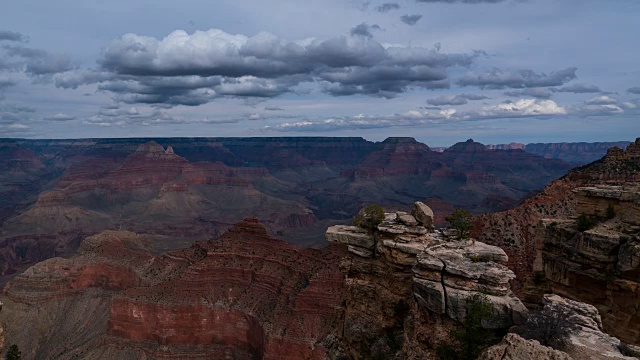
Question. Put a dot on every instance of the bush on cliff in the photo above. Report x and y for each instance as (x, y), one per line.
(472, 338)
(460, 220)
(13, 353)
(551, 326)
(585, 222)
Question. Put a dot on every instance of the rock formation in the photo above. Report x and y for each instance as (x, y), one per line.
(406, 286)
(599, 265)
(513, 347)
(55, 192)
(516, 230)
(243, 296)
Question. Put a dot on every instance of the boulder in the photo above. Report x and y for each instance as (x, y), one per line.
(406, 219)
(513, 347)
(423, 214)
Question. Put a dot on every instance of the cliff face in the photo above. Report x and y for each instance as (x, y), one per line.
(243, 296)
(599, 266)
(407, 286)
(56, 192)
(516, 230)
(596, 266)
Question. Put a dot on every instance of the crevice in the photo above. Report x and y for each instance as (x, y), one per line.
(444, 288)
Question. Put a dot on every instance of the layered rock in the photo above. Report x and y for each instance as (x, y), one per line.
(588, 341)
(409, 281)
(599, 266)
(243, 296)
(513, 347)
(516, 230)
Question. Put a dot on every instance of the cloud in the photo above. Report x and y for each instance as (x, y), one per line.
(580, 88)
(462, 1)
(602, 100)
(273, 108)
(39, 62)
(386, 7)
(455, 99)
(60, 117)
(498, 79)
(540, 93)
(364, 30)
(12, 36)
(6, 82)
(524, 108)
(193, 69)
(634, 90)
(410, 19)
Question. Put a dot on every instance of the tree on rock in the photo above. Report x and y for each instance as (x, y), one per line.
(13, 353)
(473, 337)
(460, 221)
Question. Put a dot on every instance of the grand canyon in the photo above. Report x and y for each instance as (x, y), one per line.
(243, 249)
(319, 180)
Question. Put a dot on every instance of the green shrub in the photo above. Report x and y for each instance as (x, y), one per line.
(13, 353)
(611, 213)
(472, 338)
(460, 221)
(585, 222)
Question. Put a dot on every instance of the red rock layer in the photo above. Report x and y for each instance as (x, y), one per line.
(245, 294)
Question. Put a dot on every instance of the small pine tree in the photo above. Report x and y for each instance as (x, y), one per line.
(13, 353)
(472, 338)
(551, 326)
(584, 222)
(460, 221)
(611, 213)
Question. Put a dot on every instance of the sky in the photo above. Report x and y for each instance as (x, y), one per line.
(442, 71)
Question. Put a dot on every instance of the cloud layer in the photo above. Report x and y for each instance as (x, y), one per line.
(193, 69)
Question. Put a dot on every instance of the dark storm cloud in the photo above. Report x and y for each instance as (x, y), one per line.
(453, 100)
(634, 90)
(498, 79)
(410, 19)
(462, 1)
(12, 36)
(386, 7)
(540, 93)
(577, 88)
(364, 30)
(193, 69)
(5, 83)
(39, 62)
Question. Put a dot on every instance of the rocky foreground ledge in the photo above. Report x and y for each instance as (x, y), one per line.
(444, 273)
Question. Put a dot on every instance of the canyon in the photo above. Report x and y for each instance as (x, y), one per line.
(135, 249)
(180, 190)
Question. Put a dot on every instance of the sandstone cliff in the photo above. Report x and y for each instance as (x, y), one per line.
(407, 286)
(243, 296)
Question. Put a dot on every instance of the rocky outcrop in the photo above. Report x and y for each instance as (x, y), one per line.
(245, 295)
(409, 281)
(588, 341)
(513, 347)
(599, 265)
(516, 230)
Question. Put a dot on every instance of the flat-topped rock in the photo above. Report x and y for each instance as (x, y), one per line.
(514, 347)
(406, 219)
(350, 235)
